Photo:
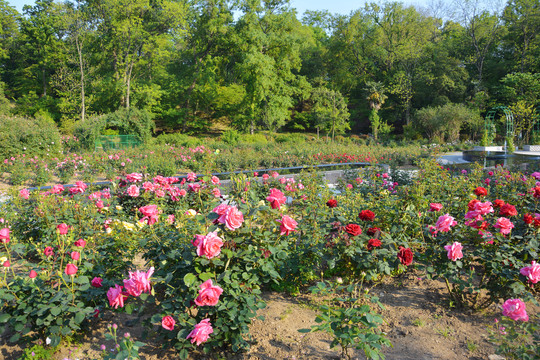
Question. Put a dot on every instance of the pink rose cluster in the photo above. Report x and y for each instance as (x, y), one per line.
(229, 215)
(138, 282)
(209, 245)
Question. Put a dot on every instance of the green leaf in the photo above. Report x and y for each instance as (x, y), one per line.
(189, 279)
(79, 317)
(55, 311)
(4, 318)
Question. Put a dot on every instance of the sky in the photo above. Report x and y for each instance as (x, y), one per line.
(336, 6)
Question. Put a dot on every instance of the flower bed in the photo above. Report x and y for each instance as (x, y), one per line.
(69, 254)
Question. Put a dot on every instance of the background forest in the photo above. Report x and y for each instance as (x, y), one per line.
(192, 66)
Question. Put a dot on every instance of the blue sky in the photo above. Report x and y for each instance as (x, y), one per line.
(336, 6)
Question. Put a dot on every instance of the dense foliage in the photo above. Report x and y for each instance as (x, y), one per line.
(197, 64)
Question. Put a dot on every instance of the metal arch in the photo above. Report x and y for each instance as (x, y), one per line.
(489, 122)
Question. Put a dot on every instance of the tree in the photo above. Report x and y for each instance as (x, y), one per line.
(376, 98)
(330, 111)
(131, 33)
(271, 39)
(482, 31)
(522, 20)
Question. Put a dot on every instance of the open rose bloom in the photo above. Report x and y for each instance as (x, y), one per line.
(454, 251)
(208, 294)
(444, 223)
(201, 332)
(287, 226)
(515, 310)
(531, 272)
(138, 282)
(209, 245)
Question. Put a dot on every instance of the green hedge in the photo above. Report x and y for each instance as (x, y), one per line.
(20, 135)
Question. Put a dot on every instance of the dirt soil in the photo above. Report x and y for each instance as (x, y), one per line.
(417, 322)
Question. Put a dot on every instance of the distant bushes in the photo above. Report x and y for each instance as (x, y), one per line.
(130, 121)
(443, 123)
(20, 135)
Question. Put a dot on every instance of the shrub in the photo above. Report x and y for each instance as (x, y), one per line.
(87, 131)
(291, 138)
(20, 135)
(254, 139)
(445, 122)
(230, 137)
(178, 139)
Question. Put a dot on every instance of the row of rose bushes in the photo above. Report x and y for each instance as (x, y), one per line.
(67, 251)
(168, 160)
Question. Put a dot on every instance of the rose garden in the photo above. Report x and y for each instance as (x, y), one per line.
(193, 257)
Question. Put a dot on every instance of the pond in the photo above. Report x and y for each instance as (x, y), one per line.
(494, 158)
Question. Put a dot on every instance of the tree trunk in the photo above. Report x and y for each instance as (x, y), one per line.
(81, 67)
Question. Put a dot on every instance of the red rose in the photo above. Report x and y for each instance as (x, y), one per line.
(96, 282)
(373, 230)
(80, 243)
(366, 215)
(471, 204)
(498, 203)
(48, 251)
(528, 218)
(32, 274)
(508, 210)
(536, 191)
(405, 256)
(332, 203)
(373, 243)
(353, 229)
(480, 191)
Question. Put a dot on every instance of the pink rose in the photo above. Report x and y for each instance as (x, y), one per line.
(75, 255)
(515, 310)
(24, 193)
(483, 208)
(444, 223)
(221, 209)
(265, 176)
(504, 225)
(138, 282)
(33, 274)
(435, 207)
(191, 176)
(233, 218)
(454, 251)
(133, 191)
(194, 187)
(168, 323)
(216, 192)
(208, 294)
(209, 246)
(170, 219)
(71, 269)
(80, 243)
(96, 282)
(148, 186)
(134, 177)
(116, 297)
(276, 198)
(288, 225)
(150, 213)
(201, 332)
(532, 272)
(62, 229)
(4, 235)
(57, 189)
(215, 180)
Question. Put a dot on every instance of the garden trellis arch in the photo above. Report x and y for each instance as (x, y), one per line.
(489, 122)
